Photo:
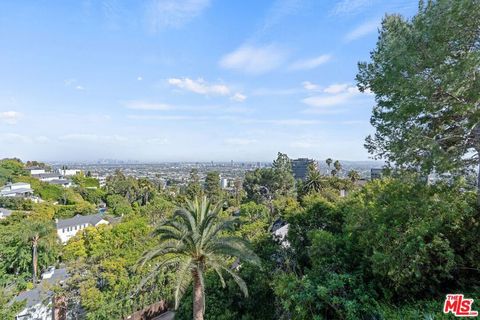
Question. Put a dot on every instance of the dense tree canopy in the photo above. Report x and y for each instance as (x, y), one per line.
(425, 76)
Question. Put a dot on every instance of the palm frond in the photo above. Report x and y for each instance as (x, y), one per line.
(188, 218)
(238, 280)
(218, 269)
(233, 246)
(183, 280)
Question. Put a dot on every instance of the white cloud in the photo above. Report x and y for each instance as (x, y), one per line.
(309, 85)
(277, 12)
(283, 122)
(254, 60)
(348, 7)
(73, 83)
(144, 105)
(14, 138)
(334, 95)
(10, 117)
(240, 141)
(311, 63)
(163, 118)
(173, 13)
(139, 78)
(326, 101)
(238, 97)
(362, 30)
(94, 138)
(336, 88)
(199, 86)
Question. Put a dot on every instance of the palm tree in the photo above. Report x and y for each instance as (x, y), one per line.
(145, 191)
(35, 231)
(337, 165)
(329, 162)
(192, 242)
(353, 175)
(314, 179)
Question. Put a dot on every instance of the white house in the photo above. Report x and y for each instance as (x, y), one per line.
(68, 172)
(62, 182)
(36, 170)
(49, 176)
(67, 228)
(281, 234)
(39, 300)
(19, 189)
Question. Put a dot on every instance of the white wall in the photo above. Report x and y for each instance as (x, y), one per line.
(37, 171)
(66, 233)
(20, 185)
(69, 172)
(37, 312)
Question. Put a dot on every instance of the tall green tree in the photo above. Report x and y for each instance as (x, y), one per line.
(194, 188)
(194, 241)
(284, 180)
(314, 180)
(212, 186)
(353, 175)
(425, 76)
(329, 162)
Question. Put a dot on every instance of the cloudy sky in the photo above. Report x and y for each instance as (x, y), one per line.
(201, 80)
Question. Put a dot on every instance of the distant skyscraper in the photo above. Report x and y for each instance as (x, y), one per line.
(300, 167)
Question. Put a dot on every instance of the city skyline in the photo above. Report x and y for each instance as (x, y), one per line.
(193, 80)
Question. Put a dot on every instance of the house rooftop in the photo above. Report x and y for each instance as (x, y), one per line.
(17, 184)
(41, 292)
(16, 191)
(79, 220)
(46, 175)
(60, 181)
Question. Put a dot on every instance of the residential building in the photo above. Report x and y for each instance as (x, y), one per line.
(36, 170)
(223, 183)
(49, 176)
(376, 173)
(300, 167)
(67, 228)
(19, 189)
(102, 181)
(435, 177)
(62, 182)
(4, 213)
(39, 301)
(68, 172)
(281, 234)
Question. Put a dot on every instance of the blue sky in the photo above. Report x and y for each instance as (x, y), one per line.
(201, 80)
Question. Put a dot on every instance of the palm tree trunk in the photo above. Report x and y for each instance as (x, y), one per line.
(35, 258)
(197, 297)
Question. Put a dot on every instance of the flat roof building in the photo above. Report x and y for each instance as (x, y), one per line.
(300, 167)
